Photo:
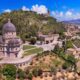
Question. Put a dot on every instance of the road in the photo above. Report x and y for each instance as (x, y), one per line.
(17, 60)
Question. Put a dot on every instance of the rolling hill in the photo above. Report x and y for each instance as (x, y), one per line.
(28, 23)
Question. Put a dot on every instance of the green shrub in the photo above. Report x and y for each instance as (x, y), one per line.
(9, 70)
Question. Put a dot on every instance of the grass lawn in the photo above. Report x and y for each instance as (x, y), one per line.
(28, 47)
(33, 51)
(36, 50)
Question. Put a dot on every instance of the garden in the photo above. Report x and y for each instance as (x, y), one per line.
(30, 49)
(25, 47)
(46, 61)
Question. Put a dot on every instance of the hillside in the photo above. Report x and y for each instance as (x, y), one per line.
(28, 23)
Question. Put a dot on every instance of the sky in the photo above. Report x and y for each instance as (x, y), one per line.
(60, 9)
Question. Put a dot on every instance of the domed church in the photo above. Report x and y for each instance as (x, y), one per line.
(10, 44)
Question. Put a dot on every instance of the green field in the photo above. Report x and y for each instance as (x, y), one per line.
(25, 47)
(36, 50)
(33, 51)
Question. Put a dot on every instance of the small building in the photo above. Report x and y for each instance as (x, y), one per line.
(47, 38)
(74, 52)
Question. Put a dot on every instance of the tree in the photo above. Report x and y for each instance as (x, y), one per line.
(71, 59)
(9, 70)
(1, 77)
(30, 76)
(69, 44)
(40, 72)
(37, 72)
(27, 71)
(33, 41)
(61, 34)
(53, 69)
(10, 78)
(56, 49)
(21, 74)
(66, 65)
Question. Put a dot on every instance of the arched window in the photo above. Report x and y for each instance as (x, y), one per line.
(11, 49)
(12, 33)
(16, 48)
(1, 48)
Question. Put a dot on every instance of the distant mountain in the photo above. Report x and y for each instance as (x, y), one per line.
(76, 21)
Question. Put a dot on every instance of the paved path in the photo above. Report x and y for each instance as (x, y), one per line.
(75, 46)
(30, 49)
(17, 60)
(78, 49)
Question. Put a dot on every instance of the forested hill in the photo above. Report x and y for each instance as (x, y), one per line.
(28, 23)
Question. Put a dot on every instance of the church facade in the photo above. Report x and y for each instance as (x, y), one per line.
(10, 44)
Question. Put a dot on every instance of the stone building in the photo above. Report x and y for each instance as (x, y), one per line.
(74, 52)
(10, 44)
(47, 38)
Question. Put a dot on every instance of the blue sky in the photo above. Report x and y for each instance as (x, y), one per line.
(60, 9)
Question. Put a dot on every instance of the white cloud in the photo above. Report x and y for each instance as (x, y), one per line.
(7, 11)
(42, 9)
(67, 15)
(61, 14)
(57, 14)
(24, 8)
(53, 13)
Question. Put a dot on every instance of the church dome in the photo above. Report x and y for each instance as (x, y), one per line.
(9, 27)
